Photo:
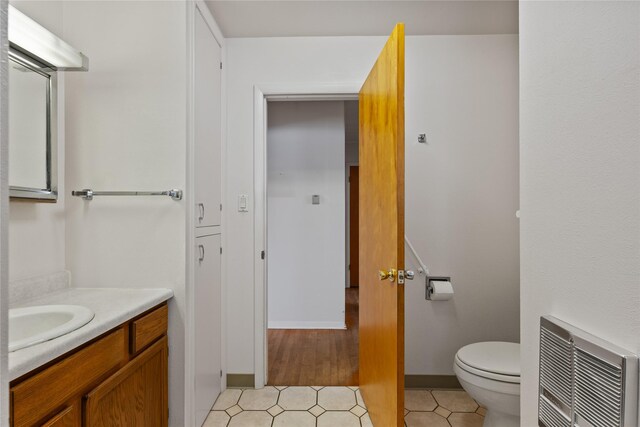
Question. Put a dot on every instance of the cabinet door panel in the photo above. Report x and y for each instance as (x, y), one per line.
(136, 395)
(68, 417)
(207, 118)
(39, 395)
(207, 324)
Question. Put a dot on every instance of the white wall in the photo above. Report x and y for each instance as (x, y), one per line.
(306, 246)
(36, 230)
(461, 194)
(580, 151)
(126, 130)
(462, 91)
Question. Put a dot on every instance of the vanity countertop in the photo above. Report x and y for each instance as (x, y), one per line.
(112, 307)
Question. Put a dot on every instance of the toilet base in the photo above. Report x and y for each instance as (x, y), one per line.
(500, 419)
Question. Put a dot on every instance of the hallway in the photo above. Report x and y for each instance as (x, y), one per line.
(316, 357)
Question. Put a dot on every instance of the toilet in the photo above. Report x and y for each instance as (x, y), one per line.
(490, 374)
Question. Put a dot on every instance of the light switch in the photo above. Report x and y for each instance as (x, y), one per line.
(243, 203)
(315, 199)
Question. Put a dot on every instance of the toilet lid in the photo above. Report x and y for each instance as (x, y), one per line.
(496, 357)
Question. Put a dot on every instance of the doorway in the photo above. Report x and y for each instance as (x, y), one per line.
(312, 311)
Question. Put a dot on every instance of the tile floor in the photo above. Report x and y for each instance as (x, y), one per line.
(337, 407)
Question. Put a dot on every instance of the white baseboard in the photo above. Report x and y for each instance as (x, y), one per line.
(306, 325)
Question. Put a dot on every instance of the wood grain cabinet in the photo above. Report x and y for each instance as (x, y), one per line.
(118, 379)
(68, 417)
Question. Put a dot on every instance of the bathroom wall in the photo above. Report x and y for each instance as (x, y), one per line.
(306, 247)
(461, 188)
(37, 230)
(580, 151)
(126, 130)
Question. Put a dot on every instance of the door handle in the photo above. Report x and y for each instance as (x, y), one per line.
(387, 274)
(392, 273)
(201, 208)
(201, 248)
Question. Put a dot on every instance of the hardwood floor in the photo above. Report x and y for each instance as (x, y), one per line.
(316, 357)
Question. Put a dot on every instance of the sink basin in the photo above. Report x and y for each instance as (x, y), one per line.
(32, 325)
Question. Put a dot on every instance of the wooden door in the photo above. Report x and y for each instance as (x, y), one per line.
(354, 231)
(381, 104)
(136, 395)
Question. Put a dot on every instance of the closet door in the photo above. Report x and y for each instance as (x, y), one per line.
(207, 116)
(207, 324)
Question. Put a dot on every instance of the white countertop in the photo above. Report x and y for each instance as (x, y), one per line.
(112, 307)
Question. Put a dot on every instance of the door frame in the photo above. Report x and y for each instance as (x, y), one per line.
(347, 228)
(262, 93)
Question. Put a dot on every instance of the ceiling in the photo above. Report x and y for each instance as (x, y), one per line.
(363, 18)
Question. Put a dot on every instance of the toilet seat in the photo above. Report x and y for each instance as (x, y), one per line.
(499, 361)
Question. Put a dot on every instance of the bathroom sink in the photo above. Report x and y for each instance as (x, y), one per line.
(32, 325)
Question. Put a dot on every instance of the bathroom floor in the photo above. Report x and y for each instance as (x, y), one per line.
(337, 407)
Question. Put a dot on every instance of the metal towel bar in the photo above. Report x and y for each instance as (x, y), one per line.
(88, 194)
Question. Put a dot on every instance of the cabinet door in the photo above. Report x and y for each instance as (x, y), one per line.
(136, 395)
(207, 117)
(207, 324)
(68, 417)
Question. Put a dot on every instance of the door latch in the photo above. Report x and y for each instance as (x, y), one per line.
(405, 275)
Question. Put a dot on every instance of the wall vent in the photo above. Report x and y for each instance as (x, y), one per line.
(584, 380)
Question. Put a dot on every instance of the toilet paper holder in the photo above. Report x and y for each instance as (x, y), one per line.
(430, 286)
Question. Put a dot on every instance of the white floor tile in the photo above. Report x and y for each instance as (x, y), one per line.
(294, 419)
(216, 419)
(297, 398)
(337, 398)
(338, 418)
(259, 400)
(251, 419)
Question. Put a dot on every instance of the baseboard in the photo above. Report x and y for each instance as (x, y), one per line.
(410, 381)
(431, 381)
(241, 380)
(306, 325)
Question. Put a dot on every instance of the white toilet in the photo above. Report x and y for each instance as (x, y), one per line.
(490, 373)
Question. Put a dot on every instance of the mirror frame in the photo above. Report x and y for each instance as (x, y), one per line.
(50, 193)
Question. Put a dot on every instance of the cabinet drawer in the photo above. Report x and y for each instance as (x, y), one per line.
(69, 417)
(42, 393)
(148, 328)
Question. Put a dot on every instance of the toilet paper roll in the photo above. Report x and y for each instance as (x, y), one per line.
(442, 291)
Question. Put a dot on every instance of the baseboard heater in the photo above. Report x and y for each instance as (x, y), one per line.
(584, 381)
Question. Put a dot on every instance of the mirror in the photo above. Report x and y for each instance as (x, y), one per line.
(32, 119)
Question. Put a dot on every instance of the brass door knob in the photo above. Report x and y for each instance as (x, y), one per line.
(387, 274)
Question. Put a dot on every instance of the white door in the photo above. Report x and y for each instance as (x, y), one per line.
(207, 324)
(207, 116)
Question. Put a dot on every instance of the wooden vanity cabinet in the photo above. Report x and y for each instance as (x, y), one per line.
(118, 379)
(68, 417)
